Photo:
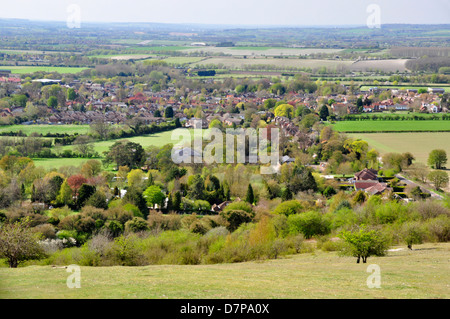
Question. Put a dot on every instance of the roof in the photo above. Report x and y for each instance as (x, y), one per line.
(367, 174)
(365, 184)
(376, 189)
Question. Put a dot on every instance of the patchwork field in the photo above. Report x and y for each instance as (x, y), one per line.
(390, 126)
(420, 273)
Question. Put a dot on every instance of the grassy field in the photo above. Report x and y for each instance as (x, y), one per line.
(50, 69)
(419, 144)
(50, 163)
(405, 274)
(44, 129)
(388, 126)
(261, 51)
(403, 87)
(235, 62)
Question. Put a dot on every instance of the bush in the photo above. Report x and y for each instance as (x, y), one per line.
(309, 224)
(159, 222)
(439, 228)
(289, 208)
(239, 206)
(235, 218)
(137, 224)
(413, 233)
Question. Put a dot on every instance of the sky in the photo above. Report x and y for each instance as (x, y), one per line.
(233, 12)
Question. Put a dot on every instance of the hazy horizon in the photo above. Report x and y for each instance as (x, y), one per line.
(283, 13)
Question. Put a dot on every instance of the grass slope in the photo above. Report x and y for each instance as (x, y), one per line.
(421, 273)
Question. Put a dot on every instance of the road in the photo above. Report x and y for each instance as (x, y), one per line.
(410, 182)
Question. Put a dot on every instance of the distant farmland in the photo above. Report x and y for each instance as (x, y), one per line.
(277, 63)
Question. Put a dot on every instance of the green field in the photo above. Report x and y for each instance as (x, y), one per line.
(55, 163)
(391, 126)
(406, 87)
(44, 129)
(419, 273)
(419, 144)
(49, 69)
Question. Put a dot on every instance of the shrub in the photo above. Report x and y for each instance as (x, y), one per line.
(158, 222)
(309, 224)
(198, 227)
(46, 230)
(239, 206)
(412, 233)
(431, 209)
(126, 251)
(137, 224)
(288, 208)
(439, 228)
(235, 218)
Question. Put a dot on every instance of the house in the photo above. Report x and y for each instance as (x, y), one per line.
(377, 189)
(436, 90)
(287, 159)
(366, 175)
(219, 207)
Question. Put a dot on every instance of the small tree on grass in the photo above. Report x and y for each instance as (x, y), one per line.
(439, 179)
(19, 243)
(363, 244)
(412, 233)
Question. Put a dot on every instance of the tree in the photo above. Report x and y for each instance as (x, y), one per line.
(91, 168)
(125, 153)
(250, 197)
(176, 201)
(168, 112)
(324, 112)
(98, 200)
(196, 186)
(100, 128)
(235, 218)
(52, 102)
(437, 158)
(65, 195)
(135, 196)
(286, 194)
(84, 192)
(285, 110)
(71, 94)
(135, 178)
(439, 179)
(18, 243)
(154, 196)
(83, 145)
(363, 243)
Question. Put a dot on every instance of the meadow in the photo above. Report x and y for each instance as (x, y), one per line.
(50, 69)
(419, 144)
(421, 273)
(403, 87)
(391, 126)
(44, 128)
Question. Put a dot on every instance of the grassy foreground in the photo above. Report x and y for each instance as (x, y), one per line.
(420, 273)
